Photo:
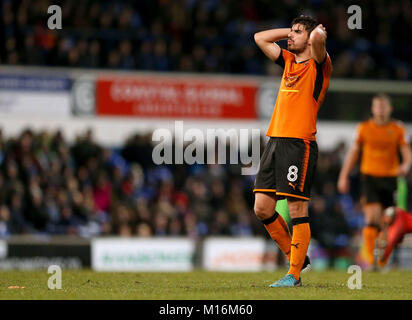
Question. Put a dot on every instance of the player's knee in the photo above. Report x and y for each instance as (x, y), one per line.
(373, 213)
(372, 219)
(372, 208)
(262, 211)
(298, 209)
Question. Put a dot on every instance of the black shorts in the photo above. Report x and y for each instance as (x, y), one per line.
(379, 189)
(287, 167)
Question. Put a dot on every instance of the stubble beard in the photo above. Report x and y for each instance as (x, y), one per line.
(295, 50)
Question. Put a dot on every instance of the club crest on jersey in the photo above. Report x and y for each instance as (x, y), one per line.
(390, 131)
(291, 81)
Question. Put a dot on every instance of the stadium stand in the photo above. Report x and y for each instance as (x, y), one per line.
(200, 36)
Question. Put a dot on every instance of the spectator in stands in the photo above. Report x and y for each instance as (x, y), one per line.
(5, 223)
(202, 36)
(330, 229)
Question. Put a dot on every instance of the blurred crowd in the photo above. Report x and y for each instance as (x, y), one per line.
(201, 35)
(48, 186)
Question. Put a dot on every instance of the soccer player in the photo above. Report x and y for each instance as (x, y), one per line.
(398, 222)
(288, 163)
(379, 140)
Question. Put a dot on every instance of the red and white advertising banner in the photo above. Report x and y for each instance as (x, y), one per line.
(168, 97)
(233, 254)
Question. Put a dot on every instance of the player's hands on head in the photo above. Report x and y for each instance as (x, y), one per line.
(321, 27)
(320, 30)
(318, 35)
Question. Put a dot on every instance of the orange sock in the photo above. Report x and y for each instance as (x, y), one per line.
(299, 245)
(279, 232)
(370, 234)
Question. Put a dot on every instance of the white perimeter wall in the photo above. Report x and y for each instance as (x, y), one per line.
(114, 131)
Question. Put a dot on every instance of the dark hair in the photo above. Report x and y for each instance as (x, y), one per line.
(308, 22)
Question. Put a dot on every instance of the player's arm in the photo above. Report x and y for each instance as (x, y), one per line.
(266, 41)
(318, 43)
(406, 154)
(348, 164)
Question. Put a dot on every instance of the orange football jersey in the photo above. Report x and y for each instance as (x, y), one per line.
(301, 93)
(380, 147)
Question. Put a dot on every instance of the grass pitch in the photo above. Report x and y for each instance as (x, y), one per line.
(201, 285)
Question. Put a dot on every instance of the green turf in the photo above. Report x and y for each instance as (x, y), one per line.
(87, 284)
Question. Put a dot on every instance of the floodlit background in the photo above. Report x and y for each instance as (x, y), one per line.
(78, 106)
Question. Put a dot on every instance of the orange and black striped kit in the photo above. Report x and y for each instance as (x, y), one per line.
(380, 147)
(287, 167)
(288, 164)
(301, 94)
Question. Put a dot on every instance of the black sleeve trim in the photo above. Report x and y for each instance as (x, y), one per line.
(318, 81)
(280, 60)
